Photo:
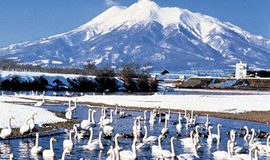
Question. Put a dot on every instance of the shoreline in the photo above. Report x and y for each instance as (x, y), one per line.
(50, 129)
(253, 116)
(59, 128)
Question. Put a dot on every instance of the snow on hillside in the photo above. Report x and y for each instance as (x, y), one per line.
(163, 37)
(50, 77)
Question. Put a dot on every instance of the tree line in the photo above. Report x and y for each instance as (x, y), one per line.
(135, 77)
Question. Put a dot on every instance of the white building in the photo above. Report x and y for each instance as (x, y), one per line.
(241, 70)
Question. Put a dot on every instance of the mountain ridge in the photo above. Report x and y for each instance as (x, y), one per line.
(164, 37)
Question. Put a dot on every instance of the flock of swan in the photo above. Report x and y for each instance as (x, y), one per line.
(141, 138)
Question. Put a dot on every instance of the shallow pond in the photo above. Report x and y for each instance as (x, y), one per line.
(21, 148)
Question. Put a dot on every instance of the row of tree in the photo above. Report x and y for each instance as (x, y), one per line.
(135, 78)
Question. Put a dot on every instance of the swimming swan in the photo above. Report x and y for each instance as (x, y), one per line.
(149, 139)
(68, 144)
(49, 153)
(36, 149)
(85, 124)
(129, 154)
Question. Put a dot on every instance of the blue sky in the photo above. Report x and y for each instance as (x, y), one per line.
(26, 20)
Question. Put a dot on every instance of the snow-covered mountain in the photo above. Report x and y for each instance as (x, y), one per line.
(165, 38)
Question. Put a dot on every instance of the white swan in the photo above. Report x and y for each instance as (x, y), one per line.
(93, 122)
(149, 139)
(85, 124)
(49, 153)
(33, 126)
(25, 129)
(6, 133)
(169, 154)
(152, 118)
(246, 137)
(217, 136)
(68, 114)
(189, 141)
(165, 130)
(129, 154)
(236, 149)
(253, 143)
(122, 114)
(156, 149)
(67, 143)
(247, 156)
(116, 147)
(223, 154)
(94, 144)
(197, 130)
(36, 149)
(168, 116)
(179, 125)
(72, 109)
(189, 156)
(107, 121)
(214, 137)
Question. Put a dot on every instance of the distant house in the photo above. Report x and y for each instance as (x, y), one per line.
(241, 70)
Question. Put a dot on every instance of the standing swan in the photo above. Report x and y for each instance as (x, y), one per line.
(33, 126)
(48, 154)
(25, 129)
(36, 149)
(6, 133)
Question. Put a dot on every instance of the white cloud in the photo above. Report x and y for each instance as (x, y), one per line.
(110, 2)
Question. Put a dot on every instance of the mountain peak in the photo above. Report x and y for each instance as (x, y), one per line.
(141, 12)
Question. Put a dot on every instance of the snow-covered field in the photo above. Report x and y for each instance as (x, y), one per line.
(212, 103)
(21, 113)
